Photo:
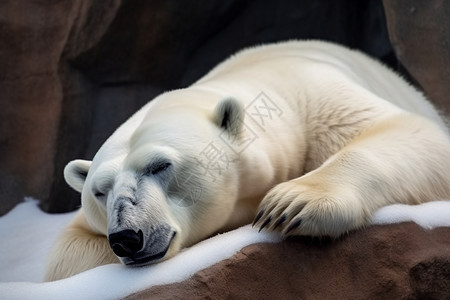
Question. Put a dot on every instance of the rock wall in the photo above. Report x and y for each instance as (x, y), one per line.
(75, 70)
(420, 34)
(72, 71)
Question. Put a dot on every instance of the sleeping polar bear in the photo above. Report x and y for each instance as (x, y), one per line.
(303, 137)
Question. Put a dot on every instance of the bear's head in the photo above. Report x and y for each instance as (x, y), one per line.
(152, 188)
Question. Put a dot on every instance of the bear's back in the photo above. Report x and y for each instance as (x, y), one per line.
(351, 64)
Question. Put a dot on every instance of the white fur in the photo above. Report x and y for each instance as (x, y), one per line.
(342, 137)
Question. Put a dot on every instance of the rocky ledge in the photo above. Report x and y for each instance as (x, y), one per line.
(399, 261)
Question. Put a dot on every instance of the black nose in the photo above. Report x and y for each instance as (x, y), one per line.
(126, 243)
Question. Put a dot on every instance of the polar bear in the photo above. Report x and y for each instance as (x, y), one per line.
(303, 137)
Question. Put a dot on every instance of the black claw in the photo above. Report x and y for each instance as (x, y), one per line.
(265, 223)
(258, 216)
(294, 225)
(279, 221)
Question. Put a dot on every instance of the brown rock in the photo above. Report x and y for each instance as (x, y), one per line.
(401, 261)
(32, 40)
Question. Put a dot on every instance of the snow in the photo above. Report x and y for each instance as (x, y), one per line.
(26, 235)
(428, 215)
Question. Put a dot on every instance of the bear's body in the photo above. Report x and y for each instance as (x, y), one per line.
(333, 135)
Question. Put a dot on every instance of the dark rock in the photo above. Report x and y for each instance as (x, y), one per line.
(420, 34)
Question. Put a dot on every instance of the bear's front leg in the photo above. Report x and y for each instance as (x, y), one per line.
(402, 159)
(78, 249)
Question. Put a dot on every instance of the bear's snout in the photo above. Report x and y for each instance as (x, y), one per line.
(126, 243)
(139, 248)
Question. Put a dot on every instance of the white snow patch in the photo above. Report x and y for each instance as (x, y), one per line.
(428, 215)
(26, 236)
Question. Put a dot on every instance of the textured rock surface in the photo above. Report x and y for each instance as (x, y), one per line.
(36, 91)
(420, 34)
(401, 261)
(30, 96)
(72, 71)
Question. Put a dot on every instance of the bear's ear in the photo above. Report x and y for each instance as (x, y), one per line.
(229, 115)
(75, 173)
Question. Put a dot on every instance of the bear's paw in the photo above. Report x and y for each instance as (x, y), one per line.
(311, 208)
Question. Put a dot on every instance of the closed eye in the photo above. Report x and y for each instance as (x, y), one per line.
(99, 195)
(160, 168)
